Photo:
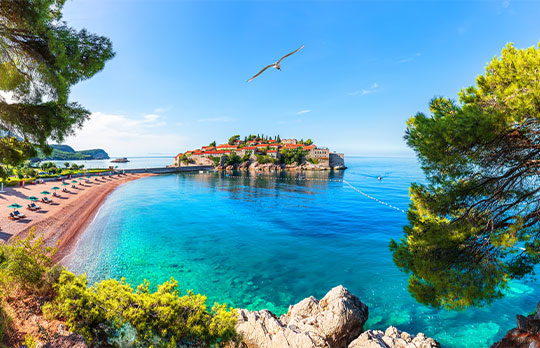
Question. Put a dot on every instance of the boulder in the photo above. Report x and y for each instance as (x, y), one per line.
(392, 338)
(333, 322)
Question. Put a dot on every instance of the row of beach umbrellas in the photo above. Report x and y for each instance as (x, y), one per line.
(34, 199)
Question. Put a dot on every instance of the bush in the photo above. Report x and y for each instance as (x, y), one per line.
(5, 324)
(216, 160)
(291, 156)
(27, 263)
(263, 159)
(110, 313)
(233, 159)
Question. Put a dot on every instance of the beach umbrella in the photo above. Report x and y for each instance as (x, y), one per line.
(74, 181)
(32, 198)
(45, 193)
(65, 184)
(55, 188)
(15, 206)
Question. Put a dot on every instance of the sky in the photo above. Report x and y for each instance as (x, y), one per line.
(178, 80)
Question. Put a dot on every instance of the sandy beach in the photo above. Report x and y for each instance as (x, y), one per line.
(62, 219)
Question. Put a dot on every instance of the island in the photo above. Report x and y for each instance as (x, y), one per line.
(67, 153)
(120, 160)
(261, 153)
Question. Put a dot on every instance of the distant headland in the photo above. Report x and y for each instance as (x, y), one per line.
(67, 153)
(262, 153)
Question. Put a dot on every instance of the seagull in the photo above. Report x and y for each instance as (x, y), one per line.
(277, 64)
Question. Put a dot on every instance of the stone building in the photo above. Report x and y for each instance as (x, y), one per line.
(320, 154)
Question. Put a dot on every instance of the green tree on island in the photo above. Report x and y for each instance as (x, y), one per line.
(474, 225)
(40, 59)
(233, 139)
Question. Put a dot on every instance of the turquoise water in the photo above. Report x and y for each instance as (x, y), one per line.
(263, 243)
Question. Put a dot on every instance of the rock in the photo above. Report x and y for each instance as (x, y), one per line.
(332, 322)
(392, 338)
(525, 335)
(517, 338)
(71, 341)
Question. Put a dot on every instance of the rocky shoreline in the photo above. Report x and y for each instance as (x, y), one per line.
(336, 321)
(271, 167)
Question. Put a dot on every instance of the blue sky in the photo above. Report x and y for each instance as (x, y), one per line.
(178, 80)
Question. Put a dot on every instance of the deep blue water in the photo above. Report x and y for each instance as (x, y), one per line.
(264, 243)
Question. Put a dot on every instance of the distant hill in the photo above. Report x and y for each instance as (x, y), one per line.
(67, 153)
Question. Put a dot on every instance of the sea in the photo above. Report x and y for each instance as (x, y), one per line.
(268, 241)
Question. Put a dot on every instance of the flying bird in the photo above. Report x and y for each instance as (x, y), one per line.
(277, 64)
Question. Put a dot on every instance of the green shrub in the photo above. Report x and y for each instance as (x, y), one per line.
(233, 159)
(216, 160)
(27, 263)
(111, 313)
(29, 342)
(290, 156)
(5, 322)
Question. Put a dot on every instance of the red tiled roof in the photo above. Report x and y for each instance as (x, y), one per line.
(226, 146)
(272, 151)
(262, 145)
(309, 147)
(249, 148)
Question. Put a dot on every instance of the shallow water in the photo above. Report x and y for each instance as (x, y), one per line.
(264, 243)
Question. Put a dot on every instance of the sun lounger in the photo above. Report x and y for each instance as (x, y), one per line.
(13, 217)
(46, 200)
(33, 207)
(55, 194)
(17, 213)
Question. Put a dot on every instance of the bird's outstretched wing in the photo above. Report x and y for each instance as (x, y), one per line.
(285, 56)
(260, 72)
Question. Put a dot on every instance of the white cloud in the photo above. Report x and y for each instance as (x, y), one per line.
(151, 117)
(217, 119)
(408, 59)
(303, 112)
(374, 87)
(120, 135)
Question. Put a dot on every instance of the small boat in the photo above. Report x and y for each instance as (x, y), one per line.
(120, 160)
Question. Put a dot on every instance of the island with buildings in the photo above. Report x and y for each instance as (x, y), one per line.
(262, 153)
